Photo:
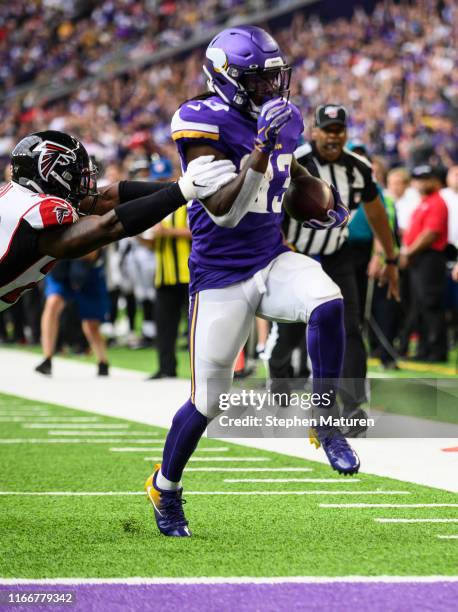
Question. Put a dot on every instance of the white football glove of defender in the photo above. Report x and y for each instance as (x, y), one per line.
(204, 177)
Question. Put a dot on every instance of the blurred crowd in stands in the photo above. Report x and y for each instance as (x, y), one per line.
(395, 70)
(67, 40)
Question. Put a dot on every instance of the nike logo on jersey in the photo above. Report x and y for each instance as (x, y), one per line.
(195, 107)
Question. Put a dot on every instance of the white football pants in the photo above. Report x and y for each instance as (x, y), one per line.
(287, 290)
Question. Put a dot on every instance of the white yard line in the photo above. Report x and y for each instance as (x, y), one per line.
(88, 426)
(416, 520)
(116, 440)
(388, 505)
(274, 480)
(24, 414)
(232, 459)
(126, 395)
(48, 419)
(233, 580)
(245, 469)
(126, 449)
(126, 493)
(448, 537)
(100, 432)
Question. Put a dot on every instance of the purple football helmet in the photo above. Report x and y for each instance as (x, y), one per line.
(245, 67)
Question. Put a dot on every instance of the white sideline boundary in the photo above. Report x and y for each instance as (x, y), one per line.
(233, 580)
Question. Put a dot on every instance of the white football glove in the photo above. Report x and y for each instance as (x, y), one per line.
(204, 177)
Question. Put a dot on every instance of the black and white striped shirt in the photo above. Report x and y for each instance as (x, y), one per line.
(351, 174)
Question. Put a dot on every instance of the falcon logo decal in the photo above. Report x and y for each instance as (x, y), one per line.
(52, 154)
(62, 212)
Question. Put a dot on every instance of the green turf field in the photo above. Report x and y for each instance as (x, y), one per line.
(234, 535)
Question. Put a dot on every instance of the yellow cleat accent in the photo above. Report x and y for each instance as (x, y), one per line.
(313, 437)
(153, 494)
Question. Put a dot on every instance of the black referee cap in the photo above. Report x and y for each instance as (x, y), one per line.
(327, 114)
(426, 171)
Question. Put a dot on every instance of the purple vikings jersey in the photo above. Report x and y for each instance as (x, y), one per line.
(222, 256)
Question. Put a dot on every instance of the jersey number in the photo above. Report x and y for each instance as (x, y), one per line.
(261, 202)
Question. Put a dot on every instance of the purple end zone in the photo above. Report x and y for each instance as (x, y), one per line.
(331, 596)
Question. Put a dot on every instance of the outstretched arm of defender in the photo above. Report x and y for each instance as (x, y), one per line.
(203, 177)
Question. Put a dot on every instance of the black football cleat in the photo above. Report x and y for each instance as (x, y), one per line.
(45, 367)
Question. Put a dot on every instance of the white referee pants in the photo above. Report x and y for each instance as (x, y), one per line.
(288, 290)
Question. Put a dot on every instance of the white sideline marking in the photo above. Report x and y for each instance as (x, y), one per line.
(128, 449)
(416, 520)
(125, 493)
(70, 441)
(88, 426)
(224, 469)
(233, 580)
(274, 480)
(388, 505)
(448, 537)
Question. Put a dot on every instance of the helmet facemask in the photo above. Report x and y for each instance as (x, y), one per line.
(251, 88)
(263, 85)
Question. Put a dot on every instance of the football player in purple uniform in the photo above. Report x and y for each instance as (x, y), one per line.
(53, 185)
(239, 265)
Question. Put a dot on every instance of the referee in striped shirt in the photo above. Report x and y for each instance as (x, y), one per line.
(326, 158)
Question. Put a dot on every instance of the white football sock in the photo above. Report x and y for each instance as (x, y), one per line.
(165, 484)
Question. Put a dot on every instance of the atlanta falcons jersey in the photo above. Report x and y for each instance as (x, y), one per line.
(223, 256)
(23, 214)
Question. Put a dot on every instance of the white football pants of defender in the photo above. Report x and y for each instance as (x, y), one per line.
(287, 290)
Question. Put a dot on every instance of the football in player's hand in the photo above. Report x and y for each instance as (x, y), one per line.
(308, 198)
